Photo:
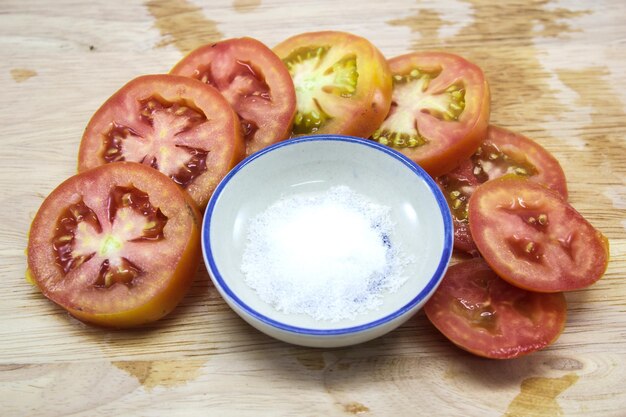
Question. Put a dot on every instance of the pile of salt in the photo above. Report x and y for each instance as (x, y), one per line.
(326, 255)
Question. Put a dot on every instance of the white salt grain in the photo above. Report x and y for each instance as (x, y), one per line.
(327, 255)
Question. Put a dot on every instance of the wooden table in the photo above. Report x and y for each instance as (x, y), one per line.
(558, 74)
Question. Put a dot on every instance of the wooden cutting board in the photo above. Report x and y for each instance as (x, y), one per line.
(557, 71)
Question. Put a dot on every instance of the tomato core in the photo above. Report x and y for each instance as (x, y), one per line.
(244, 81)
(154, 142)
(80, 235)
(410, 93)
(315, 74)
(109, 246)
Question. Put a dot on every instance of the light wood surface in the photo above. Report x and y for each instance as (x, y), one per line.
(558, 74)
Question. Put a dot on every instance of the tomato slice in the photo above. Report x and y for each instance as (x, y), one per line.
(481, 313)
(439, 111)
(501, 153)
(254, 81)
(178, 125)
(342, 81)
(117, 245)
(533, 238)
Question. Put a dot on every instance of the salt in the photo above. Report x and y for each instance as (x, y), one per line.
(327, 255)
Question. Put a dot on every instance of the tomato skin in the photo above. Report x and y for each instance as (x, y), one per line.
(361, 113)
(502, 152)
(533, 238)
(486, 316)
(447, 142)
(220, 136)
(159, 288)
(273, 117)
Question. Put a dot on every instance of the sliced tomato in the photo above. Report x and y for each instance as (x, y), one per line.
(117, 245)
(502, 152)
(439, 111)
(533, 238)
(481, 313)
(180, 126)
(255, 82)
(342, 81)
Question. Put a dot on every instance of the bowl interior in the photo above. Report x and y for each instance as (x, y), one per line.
(314, 164)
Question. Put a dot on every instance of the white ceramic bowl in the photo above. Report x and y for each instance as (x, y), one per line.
(423, 227)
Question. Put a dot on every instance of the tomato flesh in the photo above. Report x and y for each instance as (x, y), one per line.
(481, 313)
(342, 83)
(439, 110)
(533, 238)
(116, 245)
(175, 124)
(501, 153)
(253, 80)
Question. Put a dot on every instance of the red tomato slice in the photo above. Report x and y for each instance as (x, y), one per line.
(533, 238)
(342, 81)
(178, 125)
(439, 111)
(502, 152)
(117, 245)
(254, 81)
(481, 313)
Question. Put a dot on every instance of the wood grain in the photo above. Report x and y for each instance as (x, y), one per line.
(557, 71)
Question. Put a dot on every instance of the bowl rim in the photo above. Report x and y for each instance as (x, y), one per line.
(433, 282)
